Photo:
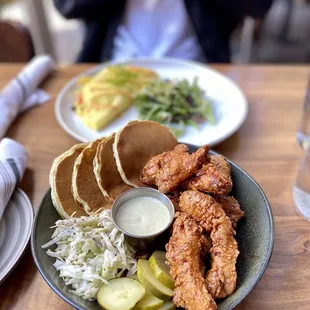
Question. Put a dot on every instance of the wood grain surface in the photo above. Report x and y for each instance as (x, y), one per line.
(265, 146)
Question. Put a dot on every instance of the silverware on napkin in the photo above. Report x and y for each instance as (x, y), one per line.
(13, 162)
(301, 189)
(17, 96)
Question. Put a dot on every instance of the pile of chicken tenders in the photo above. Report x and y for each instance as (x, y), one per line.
(198, 184)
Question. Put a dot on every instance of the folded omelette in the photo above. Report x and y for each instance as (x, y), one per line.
(109, 93)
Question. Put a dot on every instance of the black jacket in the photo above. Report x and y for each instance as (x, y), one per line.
(213, 22)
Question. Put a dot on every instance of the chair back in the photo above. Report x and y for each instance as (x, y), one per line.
(15, 42)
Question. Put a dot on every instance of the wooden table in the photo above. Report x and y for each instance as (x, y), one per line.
(264, 146)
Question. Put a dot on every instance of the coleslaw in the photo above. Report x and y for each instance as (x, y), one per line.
(89, 251)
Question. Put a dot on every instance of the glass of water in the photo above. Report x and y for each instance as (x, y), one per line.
(301, 189)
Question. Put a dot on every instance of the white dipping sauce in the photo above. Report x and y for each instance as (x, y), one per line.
(142, 216)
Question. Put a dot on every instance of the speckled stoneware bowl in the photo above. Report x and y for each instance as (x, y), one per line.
(255, 236)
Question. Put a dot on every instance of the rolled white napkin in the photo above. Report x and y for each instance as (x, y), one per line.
(13, 161)
(22, 93)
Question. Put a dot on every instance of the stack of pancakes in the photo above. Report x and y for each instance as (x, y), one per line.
(89, 177)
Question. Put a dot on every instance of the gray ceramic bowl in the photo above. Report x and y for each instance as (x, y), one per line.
(255, 236)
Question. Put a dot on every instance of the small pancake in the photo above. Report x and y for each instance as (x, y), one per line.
(105, 169)
(135, 144)
(84, 184)
(60, 179)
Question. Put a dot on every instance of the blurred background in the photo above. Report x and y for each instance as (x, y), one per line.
(282, 37)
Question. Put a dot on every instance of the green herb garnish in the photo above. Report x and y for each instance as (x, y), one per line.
(174, 103)
(121, 76)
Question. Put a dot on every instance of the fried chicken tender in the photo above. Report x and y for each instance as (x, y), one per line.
(231, 207)
(214, 177)
(183, 258)
(169, 169)
(202, 207)
(221, 278)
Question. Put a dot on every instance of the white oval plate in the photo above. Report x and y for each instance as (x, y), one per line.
(229, 102)
(15, 229)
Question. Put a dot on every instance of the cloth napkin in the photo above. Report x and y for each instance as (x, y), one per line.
(22, 92)
(17, 96)
(13, 162)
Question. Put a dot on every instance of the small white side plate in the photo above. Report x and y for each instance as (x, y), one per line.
(15, 229)
(229, 102)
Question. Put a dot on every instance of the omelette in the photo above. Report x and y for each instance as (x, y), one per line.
(109, 93)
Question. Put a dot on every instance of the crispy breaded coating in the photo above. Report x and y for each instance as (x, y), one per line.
(183, 258)
(169, 169)
(231, 207)
(214, 177)
(222, 277)
(202, 207)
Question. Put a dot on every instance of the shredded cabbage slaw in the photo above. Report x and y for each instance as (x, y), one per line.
(89, 251)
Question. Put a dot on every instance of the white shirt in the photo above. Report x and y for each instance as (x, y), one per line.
(155, 28)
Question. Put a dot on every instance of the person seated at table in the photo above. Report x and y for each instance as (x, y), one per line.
(191, 29)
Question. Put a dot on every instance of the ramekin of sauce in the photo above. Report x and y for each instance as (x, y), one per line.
(142, 214)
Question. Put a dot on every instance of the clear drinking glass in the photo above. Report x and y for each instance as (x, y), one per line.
(301, 189)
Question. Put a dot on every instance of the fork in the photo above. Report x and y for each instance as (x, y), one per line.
(301, 189)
